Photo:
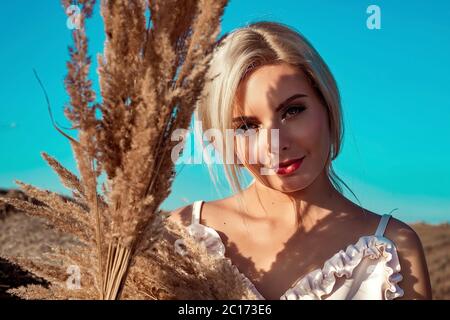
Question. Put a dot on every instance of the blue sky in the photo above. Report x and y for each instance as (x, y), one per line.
(394, 84)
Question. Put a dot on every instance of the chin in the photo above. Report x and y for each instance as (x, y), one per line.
(288, 184)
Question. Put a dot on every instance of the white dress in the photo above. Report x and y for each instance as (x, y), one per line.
(371, 266)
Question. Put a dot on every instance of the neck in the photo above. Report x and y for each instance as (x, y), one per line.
(312, 202)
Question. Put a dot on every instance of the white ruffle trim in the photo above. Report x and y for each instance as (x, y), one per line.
(319, 282)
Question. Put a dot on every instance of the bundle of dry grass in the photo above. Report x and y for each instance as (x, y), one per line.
(5, 208)
(151, 75)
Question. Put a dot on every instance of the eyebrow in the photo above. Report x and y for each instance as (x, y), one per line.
(280, 106)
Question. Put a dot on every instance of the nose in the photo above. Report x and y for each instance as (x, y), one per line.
(282, 135)
(279, 142)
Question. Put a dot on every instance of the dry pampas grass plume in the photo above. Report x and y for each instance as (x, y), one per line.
(151, 74)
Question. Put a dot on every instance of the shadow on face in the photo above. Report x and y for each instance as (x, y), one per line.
(279, 116)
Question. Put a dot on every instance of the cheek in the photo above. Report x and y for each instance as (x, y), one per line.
(241, 151)
(312, 134)
(251, 148)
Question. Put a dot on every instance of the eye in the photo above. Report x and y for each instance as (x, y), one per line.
(293, 110)
(243, 129)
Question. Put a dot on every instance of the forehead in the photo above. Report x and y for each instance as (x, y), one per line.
(267, 86)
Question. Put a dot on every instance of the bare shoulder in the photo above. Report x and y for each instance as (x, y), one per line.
(181, 215)
(406, 240)
(416, 279)
(209, 210)
(414, 270)
(403, 235)
(396, 230)
(218, 213)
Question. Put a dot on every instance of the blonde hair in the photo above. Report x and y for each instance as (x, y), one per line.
(254, 45)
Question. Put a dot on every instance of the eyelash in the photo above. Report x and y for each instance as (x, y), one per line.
(300, 109)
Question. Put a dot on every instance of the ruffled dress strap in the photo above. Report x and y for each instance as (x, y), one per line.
(196, 211)
(210, 238)
(348, 263)
(393, 268)
(382, 225)
(202, 234)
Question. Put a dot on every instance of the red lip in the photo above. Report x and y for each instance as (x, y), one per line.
(285, 163)
(289, 166)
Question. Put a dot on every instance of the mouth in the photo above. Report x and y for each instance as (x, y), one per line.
(288, 167)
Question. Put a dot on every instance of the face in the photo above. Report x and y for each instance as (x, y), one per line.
(281, 97)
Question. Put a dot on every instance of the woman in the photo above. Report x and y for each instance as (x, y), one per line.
(291, 232)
